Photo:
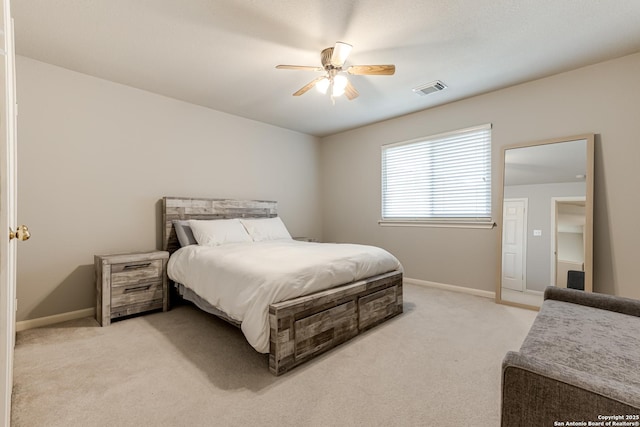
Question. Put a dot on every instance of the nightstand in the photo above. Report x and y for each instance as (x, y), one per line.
(130, 283)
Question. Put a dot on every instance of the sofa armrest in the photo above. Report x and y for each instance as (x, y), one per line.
(537, 393)
(621, 305)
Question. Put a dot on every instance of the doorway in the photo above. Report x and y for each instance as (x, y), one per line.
(568, 218)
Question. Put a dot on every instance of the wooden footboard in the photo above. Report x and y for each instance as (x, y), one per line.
(304, 327)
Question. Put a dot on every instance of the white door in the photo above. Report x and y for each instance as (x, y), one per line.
(514, 244)
(7, 212)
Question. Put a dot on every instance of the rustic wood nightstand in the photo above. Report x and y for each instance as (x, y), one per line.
(130, 283)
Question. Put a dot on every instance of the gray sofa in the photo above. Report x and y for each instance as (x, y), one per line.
(580, 362)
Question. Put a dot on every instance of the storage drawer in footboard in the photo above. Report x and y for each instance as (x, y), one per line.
(377, 307)
(325, 329)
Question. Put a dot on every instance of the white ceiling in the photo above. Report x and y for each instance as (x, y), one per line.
(222, 53)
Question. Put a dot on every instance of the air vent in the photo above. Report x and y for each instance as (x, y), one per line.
(428, 88)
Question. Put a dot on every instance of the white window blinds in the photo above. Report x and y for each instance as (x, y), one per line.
(444, 178)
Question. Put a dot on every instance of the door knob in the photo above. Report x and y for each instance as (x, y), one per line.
(22, 233)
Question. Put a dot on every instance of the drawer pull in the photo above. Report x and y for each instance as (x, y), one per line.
(136, 266)
(137, 289)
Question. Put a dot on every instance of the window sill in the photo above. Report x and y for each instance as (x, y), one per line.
(437, 223)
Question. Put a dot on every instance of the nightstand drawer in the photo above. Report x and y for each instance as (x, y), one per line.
(127, 310)
(136, 272)
(135, 293)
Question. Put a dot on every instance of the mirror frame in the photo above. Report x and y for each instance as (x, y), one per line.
(588, 228)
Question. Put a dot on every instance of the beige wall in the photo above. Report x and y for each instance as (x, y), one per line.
(95, 158)
(603, 99)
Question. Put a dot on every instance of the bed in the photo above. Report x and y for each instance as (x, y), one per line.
(297, 328)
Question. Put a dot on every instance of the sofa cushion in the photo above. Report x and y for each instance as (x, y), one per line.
(598, 342)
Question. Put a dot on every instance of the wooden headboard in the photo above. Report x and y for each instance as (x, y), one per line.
(191, 208)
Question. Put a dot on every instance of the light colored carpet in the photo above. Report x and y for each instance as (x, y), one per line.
(438, 364)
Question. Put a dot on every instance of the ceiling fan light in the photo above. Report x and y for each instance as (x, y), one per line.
(339, 54)
(339, 85)
(323, 85)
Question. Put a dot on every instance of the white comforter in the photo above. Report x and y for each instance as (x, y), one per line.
(243, 279)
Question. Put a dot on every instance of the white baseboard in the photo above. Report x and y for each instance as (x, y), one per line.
(462, 289)
(56, 318)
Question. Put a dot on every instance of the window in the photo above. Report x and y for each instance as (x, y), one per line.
(438, 180)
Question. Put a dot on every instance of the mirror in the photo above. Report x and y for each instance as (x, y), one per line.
(547, 219)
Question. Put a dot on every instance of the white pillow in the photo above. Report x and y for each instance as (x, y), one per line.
(217, 232)
(261, 229)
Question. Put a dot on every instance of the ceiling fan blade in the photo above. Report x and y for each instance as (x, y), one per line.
(372, 70)
(340, 53)
(299, 67)
(350, 92)
(308, 86)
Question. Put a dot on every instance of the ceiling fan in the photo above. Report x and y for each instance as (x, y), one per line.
(332, 59)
